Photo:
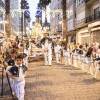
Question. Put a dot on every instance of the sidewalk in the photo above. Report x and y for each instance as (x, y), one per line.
(58, 82)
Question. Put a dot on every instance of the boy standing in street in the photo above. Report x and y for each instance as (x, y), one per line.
(16, 72)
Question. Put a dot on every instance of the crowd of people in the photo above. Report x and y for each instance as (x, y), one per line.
(86, 57)
(80, 56)
(14, 59)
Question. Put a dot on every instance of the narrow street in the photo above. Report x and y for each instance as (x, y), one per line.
(60, 82)
(66, 31)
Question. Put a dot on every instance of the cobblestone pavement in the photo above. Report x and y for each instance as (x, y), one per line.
(59, 82)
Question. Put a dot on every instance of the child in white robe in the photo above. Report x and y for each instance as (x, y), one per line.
(17, 74)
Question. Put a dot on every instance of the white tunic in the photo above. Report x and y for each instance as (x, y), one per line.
(21, 75)
(19, 84)
(57, 49)
(46, 44)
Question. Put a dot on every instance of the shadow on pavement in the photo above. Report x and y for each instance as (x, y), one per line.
(40, 95)
(69, 68)
(37, 75)
(39, 83)
(34, 70)
(91, 81)
(6, 94)
(78, 74)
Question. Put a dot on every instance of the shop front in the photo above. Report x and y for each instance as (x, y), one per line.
(95, 31)
(83, 36)
(96, 34)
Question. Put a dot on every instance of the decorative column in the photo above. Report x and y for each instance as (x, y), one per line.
(64, 26)
(8, 26)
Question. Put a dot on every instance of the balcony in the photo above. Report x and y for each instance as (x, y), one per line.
(2, 4)
(81, 23)
(84, 22)
(93, 18)
(89, 1)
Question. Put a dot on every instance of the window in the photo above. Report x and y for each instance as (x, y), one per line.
(78, 2)
(70, 11)
(70, 25)
(96, 13)
(68, 1)
(58, 16)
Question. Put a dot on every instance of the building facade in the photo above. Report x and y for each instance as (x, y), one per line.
(56, 16)
(83, 20)
(15, 17)
(88, 21)
(2, 17)
(71, 20)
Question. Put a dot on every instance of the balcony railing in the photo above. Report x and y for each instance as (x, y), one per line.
(88, 19)
(89, 1)
(86, 1)
(81, 23)
(93, 17)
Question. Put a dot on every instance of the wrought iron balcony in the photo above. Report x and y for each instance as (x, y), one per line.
(86, 1)
(93, 17)
(89, 1)
(81, 23)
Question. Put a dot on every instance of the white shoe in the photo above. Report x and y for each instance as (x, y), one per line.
(50, 64)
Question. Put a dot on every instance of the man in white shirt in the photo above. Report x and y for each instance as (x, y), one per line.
(47, 48)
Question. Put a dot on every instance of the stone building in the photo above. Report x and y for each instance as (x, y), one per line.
(56, 16)
(15, 17)
(88, 21)
(83, 20)
(2, 17)
(71, 20)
